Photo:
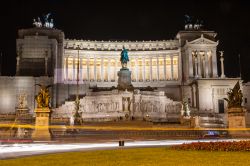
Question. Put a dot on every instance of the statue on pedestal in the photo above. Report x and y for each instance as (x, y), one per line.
(43, 96)
(22, 101)
(235, 97)
(235, 113)
(125, 104)
(22, 109)
(124, 57)
(185, 111)
(42, 111)
(124, 75)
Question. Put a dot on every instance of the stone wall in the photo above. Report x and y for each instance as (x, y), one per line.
(12, 87)
(116, 105)
(39, 52)
(210, 91)
(246, 95)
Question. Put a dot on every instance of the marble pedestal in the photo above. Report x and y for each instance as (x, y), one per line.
(124, 79)
(236, 120)
(41, 131)
(186, 120)
(22, 111)
(22, 114)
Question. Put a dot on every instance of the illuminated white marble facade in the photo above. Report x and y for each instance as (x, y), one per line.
(97, 67)
(184, 68)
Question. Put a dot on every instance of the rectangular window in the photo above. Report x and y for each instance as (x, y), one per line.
(221, 106)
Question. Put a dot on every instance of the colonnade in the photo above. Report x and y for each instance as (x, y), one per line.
(202, 64)
(104, 69)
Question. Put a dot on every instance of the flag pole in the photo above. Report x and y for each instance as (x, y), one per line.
(1, 59)
(239, 65)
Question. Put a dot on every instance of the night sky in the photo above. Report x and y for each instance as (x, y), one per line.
(132, 20)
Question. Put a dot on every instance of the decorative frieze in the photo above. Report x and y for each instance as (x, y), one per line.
(117, 45)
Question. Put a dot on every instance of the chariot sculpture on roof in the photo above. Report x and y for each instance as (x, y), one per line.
(47, 23)
(191, 25)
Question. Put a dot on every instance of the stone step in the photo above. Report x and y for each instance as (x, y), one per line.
(212, 125)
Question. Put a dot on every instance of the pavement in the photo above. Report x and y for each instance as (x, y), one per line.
(9, 151)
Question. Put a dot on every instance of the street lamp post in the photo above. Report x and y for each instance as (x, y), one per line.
(77, 116)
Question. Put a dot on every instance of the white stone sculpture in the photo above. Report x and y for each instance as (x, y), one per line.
(22, 101)
(47, 24)
(51, 24)
(185, 111)
(222, 64)
(125, 104)
(37, 23)
(71, 121)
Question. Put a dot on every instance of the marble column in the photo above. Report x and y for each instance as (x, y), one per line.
(137, 69)
(144, 69)
(74, 69)
(210, 65)
(199, 63)
(102, 69)
(165, 68)
(80, 72)
(203, 66)
(172, 67)
(88, 78)
(222, 64)
(214, 62)
(128, 64)
(17, 66)
(108, 70)
(116, 77)
(95, 73)
(67, 69)
(194, 95)
(196, 64)
(191, 66)
(158, 70)
(206, 64)
(151, 69)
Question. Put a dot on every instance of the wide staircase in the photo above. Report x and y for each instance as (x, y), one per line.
(214, 120)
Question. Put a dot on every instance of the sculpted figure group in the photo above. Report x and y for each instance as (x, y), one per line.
(43, 96)
(235, 96)
(47, 23)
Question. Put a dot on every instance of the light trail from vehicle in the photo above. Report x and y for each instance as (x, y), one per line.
(18, 150)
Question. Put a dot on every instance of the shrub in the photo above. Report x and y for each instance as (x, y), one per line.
(215, 146)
